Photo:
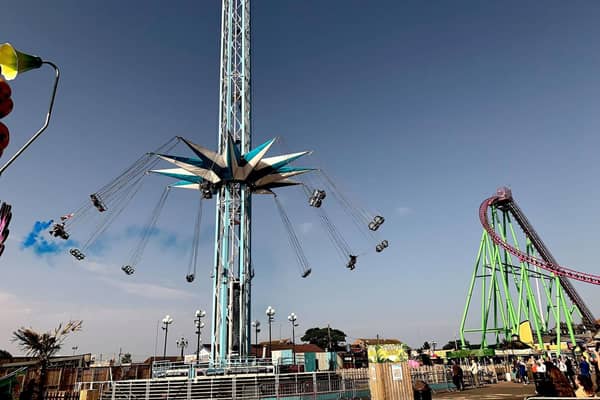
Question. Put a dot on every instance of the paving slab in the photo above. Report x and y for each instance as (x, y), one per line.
(498, 391)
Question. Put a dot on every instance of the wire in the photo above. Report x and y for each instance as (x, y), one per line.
(149, 229)
(195, 242)
(293, 239)
(117, 193)
(139, 167)
(121, 203)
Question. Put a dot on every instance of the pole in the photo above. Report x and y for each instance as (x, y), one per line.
(46, 122)
(294, 341)
(270, 343)
(166, 328)
(198, 345)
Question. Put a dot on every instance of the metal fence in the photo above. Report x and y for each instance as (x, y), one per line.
(439, 377)
(315, 385)
(169, 369)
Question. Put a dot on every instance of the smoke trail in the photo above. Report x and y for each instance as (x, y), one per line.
(40, 246)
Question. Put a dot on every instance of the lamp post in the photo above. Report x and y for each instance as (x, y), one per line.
(433, 343)
(182, 343)
(13, 63)
(256, 325)
(292, 318)
(271, 316)
(167, 320)
(199, 325)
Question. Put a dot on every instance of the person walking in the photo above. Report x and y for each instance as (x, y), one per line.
(457, 376)
(584, 367)
(570, 371)
(523, 372)
(562, 366)
(474, 369)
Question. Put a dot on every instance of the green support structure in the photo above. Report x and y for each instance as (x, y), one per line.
(513, 291)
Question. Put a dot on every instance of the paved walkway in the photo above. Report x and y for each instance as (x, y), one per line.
(498, 391)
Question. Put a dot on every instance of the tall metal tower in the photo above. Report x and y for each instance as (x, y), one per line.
(233, 173)
(232, 270)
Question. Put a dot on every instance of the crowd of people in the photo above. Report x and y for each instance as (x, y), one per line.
(564, 376)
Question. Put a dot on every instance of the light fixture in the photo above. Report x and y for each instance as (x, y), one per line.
(12, 64)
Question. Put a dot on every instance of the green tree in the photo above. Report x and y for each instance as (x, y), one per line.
(126, 358)
(5, 355)
(455, 345)
(426, 346)
(43, 346)
(325, 338)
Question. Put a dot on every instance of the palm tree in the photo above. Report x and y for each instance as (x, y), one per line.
(43, 346)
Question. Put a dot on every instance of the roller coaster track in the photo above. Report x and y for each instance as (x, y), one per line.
(503, 199)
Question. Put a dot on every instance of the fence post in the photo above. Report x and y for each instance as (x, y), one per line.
(147, 390)
(189, 389)
(276, 386)
(233, 387)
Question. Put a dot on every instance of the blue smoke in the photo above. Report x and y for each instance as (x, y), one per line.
(39, 244)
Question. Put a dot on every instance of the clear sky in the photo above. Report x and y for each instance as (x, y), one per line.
(418, 110)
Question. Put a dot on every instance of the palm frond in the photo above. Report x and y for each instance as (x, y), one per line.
(44, 345)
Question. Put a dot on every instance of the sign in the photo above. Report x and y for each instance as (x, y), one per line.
(396, 372)
(387, 353)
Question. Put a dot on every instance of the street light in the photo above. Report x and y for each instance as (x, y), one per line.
(13, 63)
(182, 343)
(167, 320)
(292, 318)
(199, 325)
(271, 316)
(433, 343)
(256, 325)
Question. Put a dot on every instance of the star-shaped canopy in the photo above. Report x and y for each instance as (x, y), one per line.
(259, 173)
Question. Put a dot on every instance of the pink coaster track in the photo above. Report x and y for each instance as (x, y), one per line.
(524, 257)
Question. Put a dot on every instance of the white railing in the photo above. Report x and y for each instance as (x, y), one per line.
(180, 369)
(240, 387)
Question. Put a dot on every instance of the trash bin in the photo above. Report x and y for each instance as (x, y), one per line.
(421, 391)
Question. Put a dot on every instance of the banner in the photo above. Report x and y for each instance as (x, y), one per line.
(387, 353)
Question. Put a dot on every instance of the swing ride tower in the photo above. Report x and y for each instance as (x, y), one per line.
(232, 273)
(230, 175)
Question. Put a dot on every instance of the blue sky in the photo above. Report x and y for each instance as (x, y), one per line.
(418, 110)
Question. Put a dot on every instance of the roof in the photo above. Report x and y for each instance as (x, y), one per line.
(16, 361)
(276, 342)
(149, 360)
(300, 348)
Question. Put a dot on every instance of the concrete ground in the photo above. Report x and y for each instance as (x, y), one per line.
(498, 391)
